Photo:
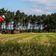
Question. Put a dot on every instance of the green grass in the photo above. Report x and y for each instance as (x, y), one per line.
(41, 38)
(28, 44)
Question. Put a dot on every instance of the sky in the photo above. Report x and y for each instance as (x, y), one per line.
(37, 7)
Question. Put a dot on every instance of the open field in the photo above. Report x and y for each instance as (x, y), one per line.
(41, 38)
(28, 44)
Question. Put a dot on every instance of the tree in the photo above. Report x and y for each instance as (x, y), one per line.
(7, 19)
(29, 20)
(16, 19)
(33, 21)
(22, 19)
(2, 12)
(26, 21)
(11, 17)
(39, 22)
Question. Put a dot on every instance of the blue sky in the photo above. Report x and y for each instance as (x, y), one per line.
(37, 7)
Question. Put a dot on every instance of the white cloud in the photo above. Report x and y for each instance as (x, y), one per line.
(45, 2)
(50, 7)
(48, 3)
(48, 12)
(42, 6)
(31, 11)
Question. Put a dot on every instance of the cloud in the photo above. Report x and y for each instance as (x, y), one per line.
(48, 12)
(34, 11)
(31, 11)
(42, 6)
(45, 2)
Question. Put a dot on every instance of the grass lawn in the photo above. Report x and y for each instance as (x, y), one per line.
(41, 38)
(28, 44)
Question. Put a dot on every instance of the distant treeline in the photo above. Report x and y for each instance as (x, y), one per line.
(48, 22)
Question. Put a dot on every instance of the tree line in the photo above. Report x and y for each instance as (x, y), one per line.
(48, 22)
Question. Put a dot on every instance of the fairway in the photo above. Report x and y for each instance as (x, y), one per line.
(41, 38)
